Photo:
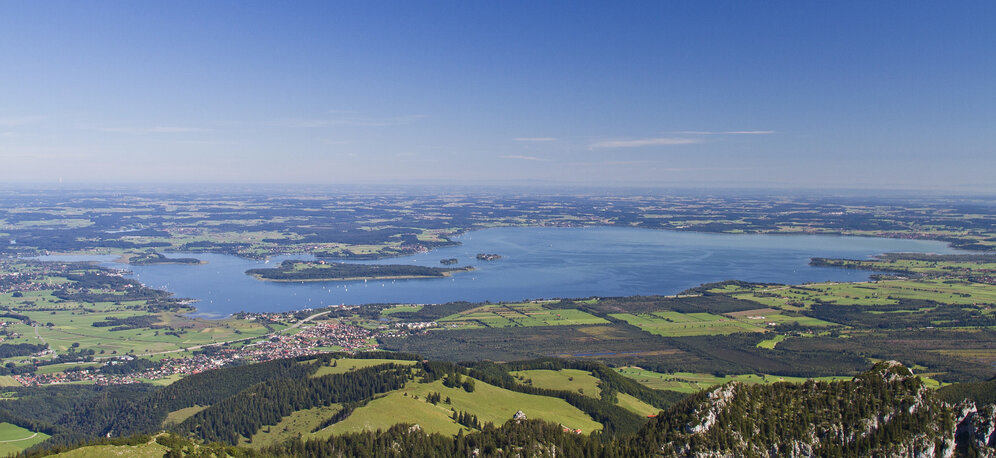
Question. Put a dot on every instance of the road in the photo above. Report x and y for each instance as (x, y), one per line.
(42, 339)
(18, 440)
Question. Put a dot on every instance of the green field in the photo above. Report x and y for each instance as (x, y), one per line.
(516, 315)
(400, 308)
(346, 364)
(581, 382)
(886, 292)
(675, 324)
(772, 317)
(150, 450)
(14, 438)
(565, 379)
(177, 416)
(691, 382)
(392, 409)
(302, 421)
(772, 342)
(489, 403)
(70, 328)
(6, 380)
(632, 404)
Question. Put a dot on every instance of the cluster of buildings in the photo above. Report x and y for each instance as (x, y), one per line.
(17, 282)
(309, 341)
(417, 325)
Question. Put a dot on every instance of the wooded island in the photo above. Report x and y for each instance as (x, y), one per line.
(336, 271)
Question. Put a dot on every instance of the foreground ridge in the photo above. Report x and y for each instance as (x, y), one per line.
(886, 411)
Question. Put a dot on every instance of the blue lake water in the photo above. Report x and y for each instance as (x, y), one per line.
(536, 263)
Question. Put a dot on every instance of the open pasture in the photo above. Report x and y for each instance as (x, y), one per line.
(301, 422)
(521, 315)
(488, 402)
(676, 324)
(582, 382)
(348, 364)
(692, 382)
(400, 308)
(69, 328)
(565, 379)
(885, 292)
(769, 316)
(14, 438)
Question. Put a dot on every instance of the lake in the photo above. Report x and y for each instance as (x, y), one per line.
(536, 263)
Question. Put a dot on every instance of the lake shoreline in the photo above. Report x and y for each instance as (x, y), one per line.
(537, 262)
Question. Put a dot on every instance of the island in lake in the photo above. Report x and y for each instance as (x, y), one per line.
(153, 257)
(449, 261)
(488, 256)
(336, 271)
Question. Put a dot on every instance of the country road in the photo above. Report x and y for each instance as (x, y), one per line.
(42, 339)
(22, 439)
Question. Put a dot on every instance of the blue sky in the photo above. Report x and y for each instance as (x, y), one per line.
(770, 94)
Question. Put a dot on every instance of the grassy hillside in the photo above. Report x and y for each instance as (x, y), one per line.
(565, 379)
(582, 382)
(487, 402)
(177, 416)
(14, 438)
(633, 404)
(150, 450)
(344, 365)
(297, 424)
(883, 412)
(693, 382)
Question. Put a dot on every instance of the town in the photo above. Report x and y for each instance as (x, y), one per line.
(319, 338)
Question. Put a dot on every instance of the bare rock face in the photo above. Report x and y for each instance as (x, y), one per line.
(976, 429)
(710, 410)
(899, 417)
(892, 370)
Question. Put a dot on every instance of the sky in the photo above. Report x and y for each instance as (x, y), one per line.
(774, 94)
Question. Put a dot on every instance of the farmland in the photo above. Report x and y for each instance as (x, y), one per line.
(519, 315)
(73, 324)
(811, 330)
(675, 324)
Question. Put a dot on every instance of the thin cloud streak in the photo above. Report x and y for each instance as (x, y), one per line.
(152, 130)
(524, 158)
(358, 121)
(11, 121)
(728, 132)
(650, 162)
(644, 142)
